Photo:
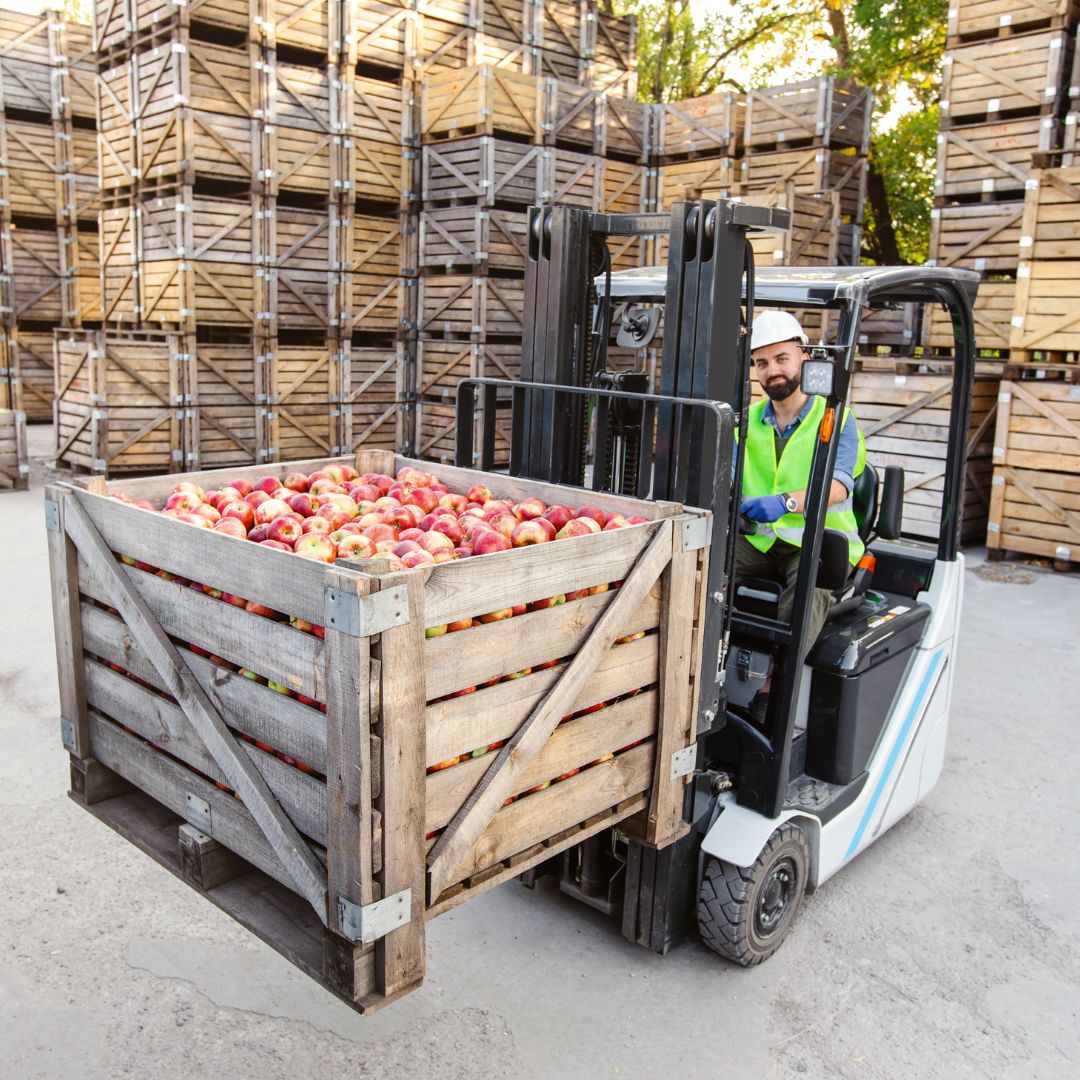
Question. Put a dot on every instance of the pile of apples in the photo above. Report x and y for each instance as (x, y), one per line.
(409, 520)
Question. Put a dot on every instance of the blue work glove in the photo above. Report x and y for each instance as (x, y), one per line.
(764, 508)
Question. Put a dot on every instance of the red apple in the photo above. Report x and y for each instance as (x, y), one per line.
(423, 497)
(277, 545)
(296, 481)
(435, 631)
(242, 512)
(449, 529)
(333, 514)
(417, 558)
(355, 546)
(529, 508)
(458, 624)
(615, 521)
(403, 547)
(402, 517)
(443, 765)
(183, 502)
(637, 519)
(410, 534)
(236, 601)
(497, 616)
(379, 532)
(266, 511)
(558, 515)
(316, 525)
(464, 551)
(577, 527)
(303, 503)
(256, 499)
(258, 534)
(503, 523)
(365, 492)
(478, 494)
(326, 486)
(269, 484)
(231, 526)
(547, 602)
(262, 609)
(529, 532)
(240, 485)
(194, 519)
(487, 541)
(593, 512)
(285, 529)
(457, 503)
(207, 511)
(344, 503)
(184, 485)
(315, 546)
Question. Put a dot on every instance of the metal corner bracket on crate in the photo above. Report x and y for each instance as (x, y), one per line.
(364, 616)
(697, 532)
(52, 516)
(369, 922)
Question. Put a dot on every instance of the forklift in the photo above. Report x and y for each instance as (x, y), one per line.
(854, 735)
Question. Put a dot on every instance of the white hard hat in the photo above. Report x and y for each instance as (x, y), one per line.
(773, 325)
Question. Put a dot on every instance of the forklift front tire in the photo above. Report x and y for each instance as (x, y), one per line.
(744, 913)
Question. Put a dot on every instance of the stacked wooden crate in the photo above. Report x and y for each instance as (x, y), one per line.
(527, 108)
(254, 185)
(14, 464)
(48, 199)
(1035, 505)
(1004, 93)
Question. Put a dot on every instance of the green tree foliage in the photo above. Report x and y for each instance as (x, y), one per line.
(893, 46)
(903, 159)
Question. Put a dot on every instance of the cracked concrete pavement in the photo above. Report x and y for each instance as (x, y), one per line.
(949, 949)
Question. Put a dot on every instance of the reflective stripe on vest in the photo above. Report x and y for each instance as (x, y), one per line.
(763, 475)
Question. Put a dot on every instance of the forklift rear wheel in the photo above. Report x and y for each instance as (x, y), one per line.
(744, 913)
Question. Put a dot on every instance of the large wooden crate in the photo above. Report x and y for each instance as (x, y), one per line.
(992, 314)
(309, 814)
(1046, 321)
(572, 115)
(625, 129)
(991, 161)
(1035, 501)
(483, 171)
(613, 67)
(31, 356)
(978, 236)
(808, 171)
(372, 400)
(892, 330)
(822, 112)
(14, 463)
(564, 35)
(50, 173)
(378, 34)
(35, 271)
(572, 178)
(496, 34)
(225, 405)
(702, 178)
(814, 234)
(441, 365)
(382, 127)
(436, 430)
(116, 402)
(468, 236)
(459, 306)
(482, 100)
(707, 126)
(905, 420)
(971, 20)
(985, 81)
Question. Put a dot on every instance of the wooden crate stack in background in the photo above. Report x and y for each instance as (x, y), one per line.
(14, 465)
(255, 180)
(525, 104)
(1004, 95)
(48, 199)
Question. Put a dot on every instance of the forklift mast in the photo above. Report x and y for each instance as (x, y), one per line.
(705, 359)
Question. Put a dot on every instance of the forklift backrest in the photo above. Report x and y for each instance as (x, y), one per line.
(890, 516)
(864, 500)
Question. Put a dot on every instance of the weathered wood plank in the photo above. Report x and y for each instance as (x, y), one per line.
(462, 834)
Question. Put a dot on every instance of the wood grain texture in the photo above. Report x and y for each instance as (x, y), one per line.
(499, 782)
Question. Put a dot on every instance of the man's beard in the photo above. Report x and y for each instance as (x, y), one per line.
(781, 389)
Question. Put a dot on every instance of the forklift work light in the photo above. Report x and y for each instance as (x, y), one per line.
(817, 377)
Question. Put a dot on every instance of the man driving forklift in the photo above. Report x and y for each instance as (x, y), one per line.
(781, 432)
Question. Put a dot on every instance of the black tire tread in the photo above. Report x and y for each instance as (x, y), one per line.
(724, 908)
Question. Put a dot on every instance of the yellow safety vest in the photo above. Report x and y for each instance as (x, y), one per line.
(764, 475)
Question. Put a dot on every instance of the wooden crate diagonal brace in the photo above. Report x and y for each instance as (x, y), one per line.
(371, 888)
(498, 783)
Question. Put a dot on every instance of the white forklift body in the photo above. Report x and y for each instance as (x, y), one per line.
(903, 768)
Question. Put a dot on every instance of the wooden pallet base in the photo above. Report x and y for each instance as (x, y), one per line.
(273, 913)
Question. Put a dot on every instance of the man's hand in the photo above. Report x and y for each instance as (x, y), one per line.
(764, 508)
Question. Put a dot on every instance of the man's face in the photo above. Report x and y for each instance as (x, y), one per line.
(778, 368)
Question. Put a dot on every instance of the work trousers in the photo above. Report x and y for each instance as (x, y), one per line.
(781, 563)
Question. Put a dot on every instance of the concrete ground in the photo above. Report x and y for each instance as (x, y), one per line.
(949, 949)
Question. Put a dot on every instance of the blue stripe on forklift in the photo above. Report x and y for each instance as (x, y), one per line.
(894, 753)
